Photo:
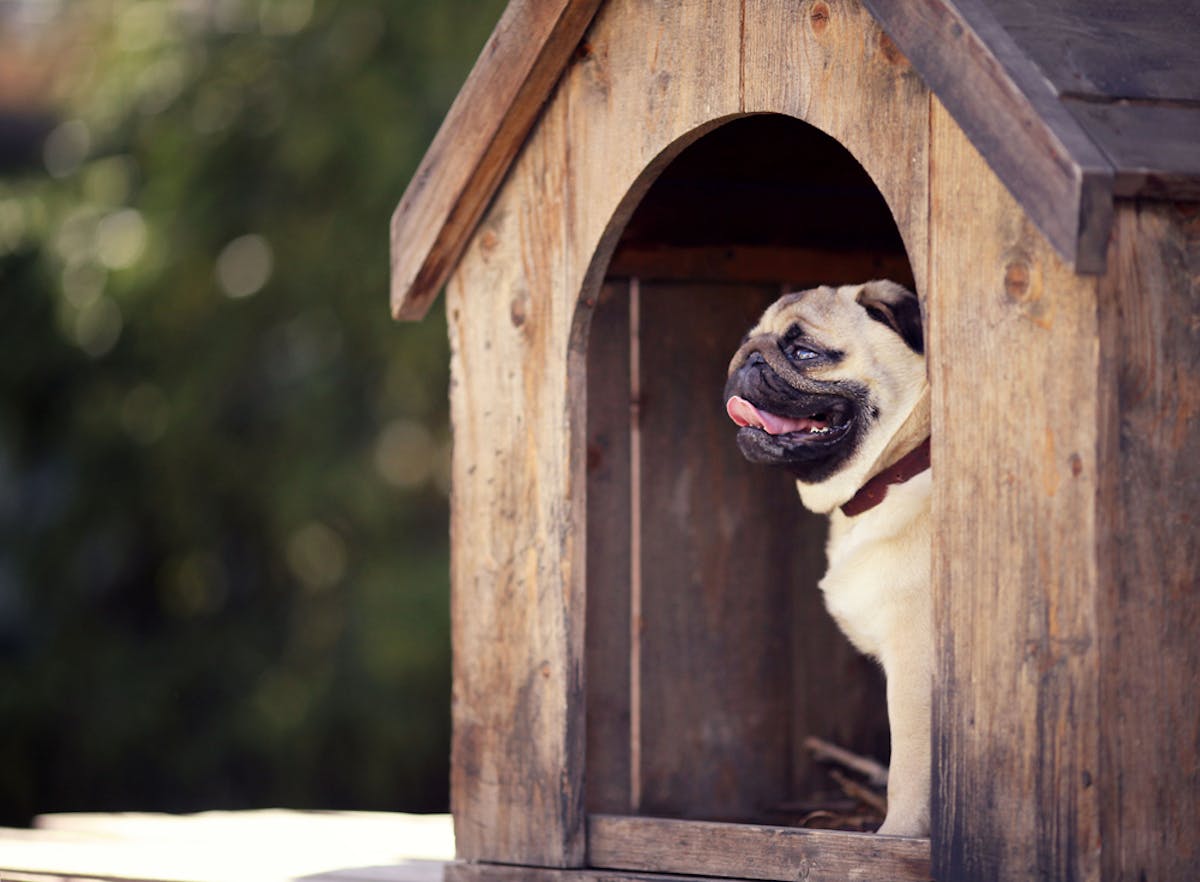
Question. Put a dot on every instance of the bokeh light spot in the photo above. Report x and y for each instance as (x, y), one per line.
(66, 147)
(244, 266)
(316, 555)
(405, 453)
(284, 17)
(98, 326)
(82, 283)
(120, 238)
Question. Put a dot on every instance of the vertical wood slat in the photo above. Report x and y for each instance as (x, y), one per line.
(1012, 340)
(1150, 547)
(516, 526)
(714, 674)
(608, 554)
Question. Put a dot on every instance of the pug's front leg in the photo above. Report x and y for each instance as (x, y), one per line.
(909, 672)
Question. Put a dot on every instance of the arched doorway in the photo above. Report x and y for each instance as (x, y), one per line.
(709, 654)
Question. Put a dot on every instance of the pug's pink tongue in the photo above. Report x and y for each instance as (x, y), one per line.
(744, 413)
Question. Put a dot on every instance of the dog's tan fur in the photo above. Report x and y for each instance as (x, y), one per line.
(877, 585)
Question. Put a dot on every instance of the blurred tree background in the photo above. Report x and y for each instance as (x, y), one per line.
(223, 468)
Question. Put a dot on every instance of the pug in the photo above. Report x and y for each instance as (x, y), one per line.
(830, 385)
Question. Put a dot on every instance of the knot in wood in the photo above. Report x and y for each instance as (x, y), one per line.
(1016, 280)
(819, 17)
(519, 309)
(891, 52)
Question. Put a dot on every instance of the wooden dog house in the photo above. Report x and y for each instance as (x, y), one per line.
(638, 644)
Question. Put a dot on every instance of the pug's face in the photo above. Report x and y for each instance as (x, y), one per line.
(827, 377)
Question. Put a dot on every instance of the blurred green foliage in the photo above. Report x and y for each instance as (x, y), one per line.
(223, 540)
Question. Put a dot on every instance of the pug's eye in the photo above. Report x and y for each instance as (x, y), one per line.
(796, 352)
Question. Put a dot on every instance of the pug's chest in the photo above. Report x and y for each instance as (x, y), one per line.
(877, 583)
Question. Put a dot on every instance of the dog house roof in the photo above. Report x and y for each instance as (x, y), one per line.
(1101, 97)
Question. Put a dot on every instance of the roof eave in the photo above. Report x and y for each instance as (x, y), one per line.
(485, 127)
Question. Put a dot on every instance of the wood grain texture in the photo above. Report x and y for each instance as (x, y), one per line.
(1154, 148)
(518, 402)
(1109, 49)
(803, 268)
(1150, 547)
(462, 872)
(739, 660)
(754, 852)
(1012, 115)
(519, 310)
(476, 144)
(608, 554)
(517, 542)
(714, 660)
(637, 96)
(1013, 346)
(847, 79)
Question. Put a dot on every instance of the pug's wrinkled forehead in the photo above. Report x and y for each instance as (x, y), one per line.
(822, 312)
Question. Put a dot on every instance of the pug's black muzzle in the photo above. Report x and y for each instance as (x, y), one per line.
(808, 426)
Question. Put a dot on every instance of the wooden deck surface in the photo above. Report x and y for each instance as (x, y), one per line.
(255, 846)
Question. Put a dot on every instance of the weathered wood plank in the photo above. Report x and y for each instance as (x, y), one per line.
(518, 499)
(1108, 49)
(1154, 148)
(715, 579)
(739, 659)
(1014, 118)
(847, 79)
(519, 400)
(753, 852)
(517, 516)
(482, 132)
(608, 553)
(638, 95)
(461, 872)
(802, 267)
(1012, 337)
(1150, 547)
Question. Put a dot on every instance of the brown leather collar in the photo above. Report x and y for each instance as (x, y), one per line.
(873, 492)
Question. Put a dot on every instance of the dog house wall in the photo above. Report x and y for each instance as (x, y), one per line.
(1065, 455)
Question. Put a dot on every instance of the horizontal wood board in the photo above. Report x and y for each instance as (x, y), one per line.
(753, 852)
(801, 267)
(486, 872)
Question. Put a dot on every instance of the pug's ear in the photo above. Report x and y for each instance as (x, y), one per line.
(897, 307)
